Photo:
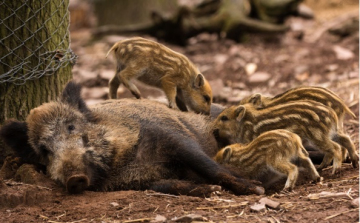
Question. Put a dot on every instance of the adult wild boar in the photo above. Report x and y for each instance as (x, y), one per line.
(123, 144)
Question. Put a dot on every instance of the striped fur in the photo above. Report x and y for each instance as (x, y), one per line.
(318, 94)
(310, 120)
(157, 65)
(277, 151)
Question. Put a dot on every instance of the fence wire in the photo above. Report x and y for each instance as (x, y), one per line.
(39, 53)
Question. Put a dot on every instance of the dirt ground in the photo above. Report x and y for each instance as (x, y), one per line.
(267, 64)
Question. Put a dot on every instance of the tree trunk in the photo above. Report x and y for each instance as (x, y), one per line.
(27, 33)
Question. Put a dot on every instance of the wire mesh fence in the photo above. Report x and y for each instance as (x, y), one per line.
(34, 39)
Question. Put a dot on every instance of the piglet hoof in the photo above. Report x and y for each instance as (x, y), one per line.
(287, 191)
(355, 163)
(317, 180)
(336, 172)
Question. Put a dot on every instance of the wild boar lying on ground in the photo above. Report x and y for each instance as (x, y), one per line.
(123, 144)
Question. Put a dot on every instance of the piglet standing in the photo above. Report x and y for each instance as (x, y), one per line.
(157, 65)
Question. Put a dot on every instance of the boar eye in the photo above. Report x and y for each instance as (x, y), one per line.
(207, 98)
(71, 128)
(224, 118)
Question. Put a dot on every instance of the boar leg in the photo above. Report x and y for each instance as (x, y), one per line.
(309, 166)
(290, 170)
(125, 77)
(332, 151)
(180, 101)
(169, 88)
(14, 134)
(190, 153)
(114, 84)
(179, 187)
(346, 142)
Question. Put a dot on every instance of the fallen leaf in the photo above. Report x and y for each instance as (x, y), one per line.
(343, 53)
(258, 207)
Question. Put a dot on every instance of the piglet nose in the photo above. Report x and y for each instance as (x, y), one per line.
(77, 183)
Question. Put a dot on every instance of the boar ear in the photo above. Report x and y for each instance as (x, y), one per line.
(199, 81)
(72, 95)
(240, 113)
(227, 154)
(14, 134)
(256, 100)
(156, 17)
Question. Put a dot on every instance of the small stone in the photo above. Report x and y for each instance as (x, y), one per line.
(259, 77)
(220, 58)
(114, 204)
(270, 203)
(343, 53)
(332, 67)
(355, 203)
(250, 68)
(159, 218)
(189, 218)
(301, 69)
(258, 207)
(302, 76)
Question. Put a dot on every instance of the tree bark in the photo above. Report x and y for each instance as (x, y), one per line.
(26, 30)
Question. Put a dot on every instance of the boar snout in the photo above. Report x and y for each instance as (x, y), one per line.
(77, 183)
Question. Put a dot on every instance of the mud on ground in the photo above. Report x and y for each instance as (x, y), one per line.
(306, 55)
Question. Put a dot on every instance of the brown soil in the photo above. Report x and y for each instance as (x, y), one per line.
(285, 61)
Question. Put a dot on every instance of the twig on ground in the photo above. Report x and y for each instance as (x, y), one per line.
(344, 212)
(160, 194)
(138, 220)
(13, 183)
(225, 206)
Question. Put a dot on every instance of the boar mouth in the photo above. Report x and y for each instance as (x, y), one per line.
(77, 184)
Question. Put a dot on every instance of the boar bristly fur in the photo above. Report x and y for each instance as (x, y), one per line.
(14, 134)
(157, 65)
(128, 144)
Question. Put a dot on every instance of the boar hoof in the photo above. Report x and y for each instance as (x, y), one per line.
(77, 184)
(259, 190)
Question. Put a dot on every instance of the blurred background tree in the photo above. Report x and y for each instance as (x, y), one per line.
(130, 12)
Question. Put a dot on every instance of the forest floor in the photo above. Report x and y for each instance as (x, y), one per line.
(306, 55)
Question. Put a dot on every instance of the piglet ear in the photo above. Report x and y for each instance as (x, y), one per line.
(227, 154)
(72, 95)
(14, 134)
(240, 113)
(199, 81)
(256, 100)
